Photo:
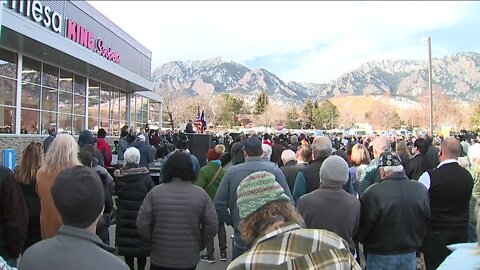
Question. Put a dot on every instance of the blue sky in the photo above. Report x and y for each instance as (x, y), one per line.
(311, 41)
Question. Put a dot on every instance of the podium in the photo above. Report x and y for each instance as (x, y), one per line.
(198, 145)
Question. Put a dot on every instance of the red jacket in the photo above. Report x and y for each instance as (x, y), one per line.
(106, 151)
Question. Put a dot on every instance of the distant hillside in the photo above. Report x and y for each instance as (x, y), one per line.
(458, 75)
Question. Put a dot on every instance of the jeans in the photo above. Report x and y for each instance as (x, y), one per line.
(222, 242)
(407, 261)
(238, 246)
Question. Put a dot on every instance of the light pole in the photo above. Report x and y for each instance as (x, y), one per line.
(430, 82)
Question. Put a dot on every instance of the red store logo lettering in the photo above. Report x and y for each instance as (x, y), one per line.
(82, 36)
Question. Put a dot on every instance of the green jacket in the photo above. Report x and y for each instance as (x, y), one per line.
(370, 176)
(475, 193)
(205, 176)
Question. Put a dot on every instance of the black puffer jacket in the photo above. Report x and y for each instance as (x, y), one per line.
(132, 184)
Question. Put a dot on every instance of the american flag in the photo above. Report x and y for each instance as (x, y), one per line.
(204, 121)
(198, 121)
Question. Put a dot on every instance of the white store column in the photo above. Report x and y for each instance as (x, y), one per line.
(87, 94)
(18, 105)
(160, 114)
(128, 109)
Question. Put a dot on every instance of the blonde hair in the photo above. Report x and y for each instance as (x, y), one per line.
(219, 149)
(360, 155)
(62, 154)
(31, 161)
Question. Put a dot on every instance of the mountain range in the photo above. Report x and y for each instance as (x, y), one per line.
(457, 75)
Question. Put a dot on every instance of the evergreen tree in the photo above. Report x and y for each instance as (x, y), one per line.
(394, 120)
(230, 109)
(292, 119)
(261, 103)
(326, 116)
(308, 109)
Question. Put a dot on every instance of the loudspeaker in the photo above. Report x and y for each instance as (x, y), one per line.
(198, 145)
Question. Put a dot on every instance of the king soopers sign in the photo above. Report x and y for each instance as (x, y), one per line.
(70, 29)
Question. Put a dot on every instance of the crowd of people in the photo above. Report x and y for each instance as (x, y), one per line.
(293, 201)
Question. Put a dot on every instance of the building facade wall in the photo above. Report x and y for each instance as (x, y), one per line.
(20, 142)
(54, 73)
(75, 22)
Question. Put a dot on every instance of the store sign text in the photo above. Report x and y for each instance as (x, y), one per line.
(40, 13)
(53, 20)
(82, 36)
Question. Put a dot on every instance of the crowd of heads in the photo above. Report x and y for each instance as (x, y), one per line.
(79, 195)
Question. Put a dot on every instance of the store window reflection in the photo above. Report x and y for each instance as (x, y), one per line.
(55, 97)
(7, 119)
(154, 109)
(8, 90)
(29, 121)
(49, 119)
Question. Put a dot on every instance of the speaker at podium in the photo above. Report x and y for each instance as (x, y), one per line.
(198, 145)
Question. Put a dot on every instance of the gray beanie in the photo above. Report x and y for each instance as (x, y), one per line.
(334, 171)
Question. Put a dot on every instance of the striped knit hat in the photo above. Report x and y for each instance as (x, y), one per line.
(257, 190)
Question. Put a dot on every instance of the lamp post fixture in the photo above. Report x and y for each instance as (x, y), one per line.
(430, 82)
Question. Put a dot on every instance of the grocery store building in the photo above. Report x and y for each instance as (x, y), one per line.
(64, 64)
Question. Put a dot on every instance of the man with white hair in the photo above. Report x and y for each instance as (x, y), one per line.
(393, 217)
(371, 173)
(307, 179)
(288, 158)
(147, 151)
(301, 158)
(267, 152)
(294, 143)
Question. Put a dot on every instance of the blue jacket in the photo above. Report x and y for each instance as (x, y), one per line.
(226, 197)
(147, 153)
(464, 256)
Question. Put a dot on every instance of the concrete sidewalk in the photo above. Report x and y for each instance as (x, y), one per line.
(218, 265)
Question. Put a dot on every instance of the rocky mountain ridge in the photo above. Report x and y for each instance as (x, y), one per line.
(457, 75)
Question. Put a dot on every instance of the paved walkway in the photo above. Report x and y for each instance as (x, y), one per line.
(218, 265)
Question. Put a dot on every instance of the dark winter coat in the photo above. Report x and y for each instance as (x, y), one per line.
(179, 219)
(393, 216)
(416, 166)
(86, 138)
(132, 184)
(33, 205)
(13, 215)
